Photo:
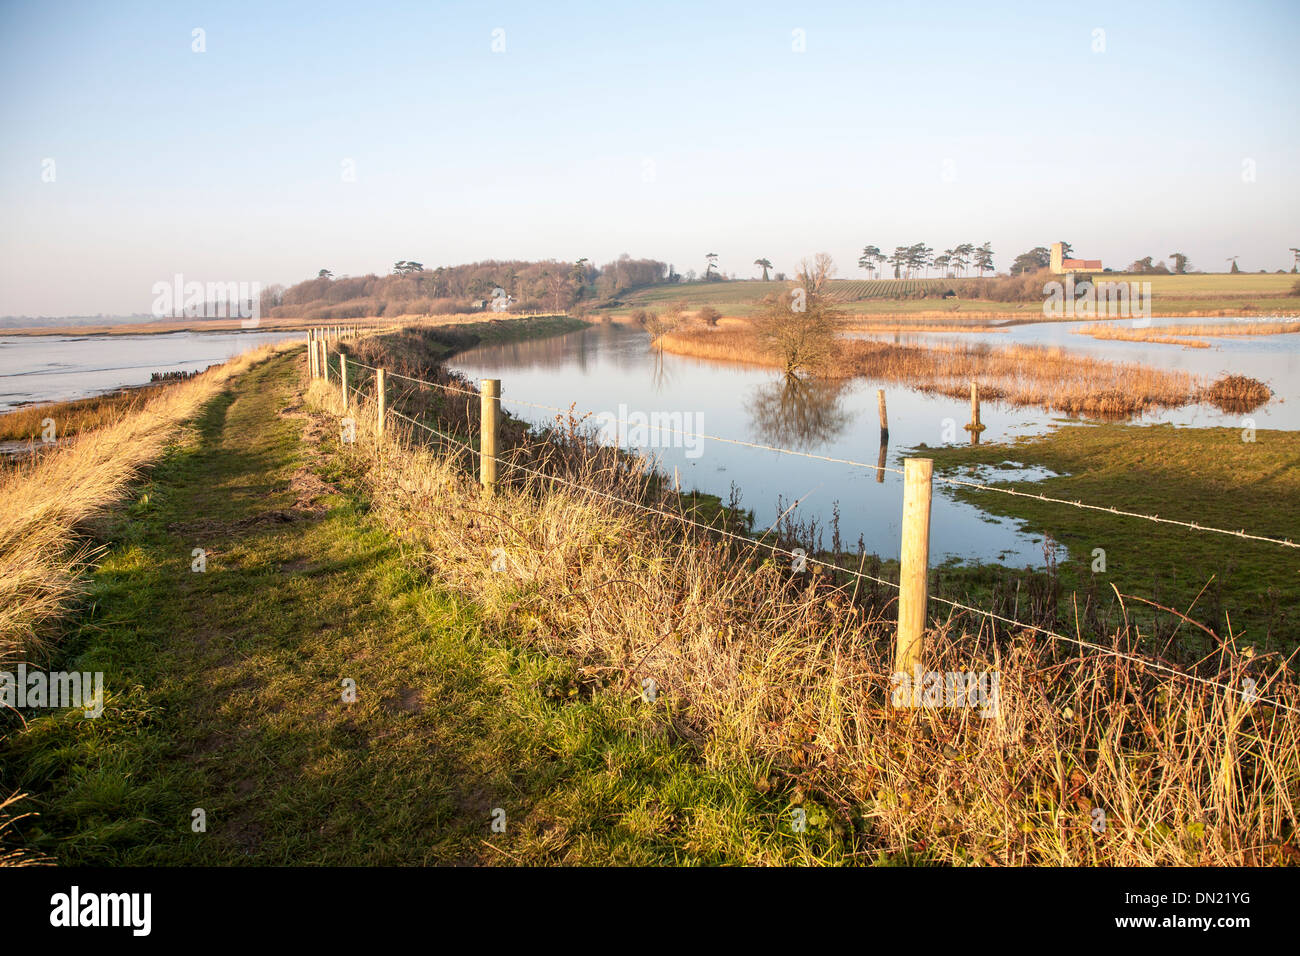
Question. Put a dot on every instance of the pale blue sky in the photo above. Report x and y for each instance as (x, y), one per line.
(670, 131)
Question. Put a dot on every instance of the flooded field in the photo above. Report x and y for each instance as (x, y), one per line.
(611, 371)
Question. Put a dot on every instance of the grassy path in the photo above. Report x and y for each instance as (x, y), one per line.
(225, 693)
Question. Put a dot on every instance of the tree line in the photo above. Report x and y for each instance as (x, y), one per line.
(909, 261)
(501, 285)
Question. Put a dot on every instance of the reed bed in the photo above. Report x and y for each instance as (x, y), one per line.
(786, 675)
(1048, 377)
(46, 502)
(83, 414)
(1174, 334)
(885, 328)
(1123, 334)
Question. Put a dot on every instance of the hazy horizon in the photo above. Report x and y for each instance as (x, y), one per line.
(129, 156)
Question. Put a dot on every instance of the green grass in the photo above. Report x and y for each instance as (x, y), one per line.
(1206, 475)
(1171, 295)
(1214, 283)
(225, 693)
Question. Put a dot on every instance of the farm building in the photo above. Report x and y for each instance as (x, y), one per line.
(1062, 265)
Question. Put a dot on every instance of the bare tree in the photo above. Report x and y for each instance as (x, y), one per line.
(814, 275)
(799, 326)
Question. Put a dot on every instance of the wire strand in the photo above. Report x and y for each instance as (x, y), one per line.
(956, 482)
(957, 605)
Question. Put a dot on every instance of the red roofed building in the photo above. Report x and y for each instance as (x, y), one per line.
(1062, 265)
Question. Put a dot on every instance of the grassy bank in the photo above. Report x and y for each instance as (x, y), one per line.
(754, 663)
(51, 501)
(225, 693)
(623, 687)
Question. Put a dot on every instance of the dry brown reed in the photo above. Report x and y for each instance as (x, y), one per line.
(26, 423)
(1174, 333)
(1125, 334)
(1048, 377)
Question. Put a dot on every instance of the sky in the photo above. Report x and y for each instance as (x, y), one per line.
(287, 138)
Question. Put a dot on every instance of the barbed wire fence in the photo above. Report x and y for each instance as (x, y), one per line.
(918, 478)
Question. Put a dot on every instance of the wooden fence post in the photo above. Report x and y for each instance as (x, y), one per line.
(884, 417)
(311, 356)
(324, 360)
(343, 379)
(489, 415)
(914, 567)
(975, 427)
(379, 400)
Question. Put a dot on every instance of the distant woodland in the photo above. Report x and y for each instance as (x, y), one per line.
(512, 285)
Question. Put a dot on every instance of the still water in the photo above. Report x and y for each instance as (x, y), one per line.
(611, 371)
(56, 368)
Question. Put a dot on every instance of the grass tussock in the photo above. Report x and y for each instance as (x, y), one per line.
(13, 851)
(1238, 393)
(1047, 377)
(47, 501)
(787, 675)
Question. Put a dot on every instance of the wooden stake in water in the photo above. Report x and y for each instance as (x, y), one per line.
(914, 566)
(975, 426)
(489, 417)
(379, 400)
(884, 417)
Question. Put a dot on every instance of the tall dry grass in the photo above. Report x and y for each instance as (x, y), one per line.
(1159, 333)
(1156, 335)
(787, 675)
(46, 502)
(83, 414)
(1048, 377)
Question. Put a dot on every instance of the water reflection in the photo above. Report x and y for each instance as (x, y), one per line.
(798, 412)
(605, 368)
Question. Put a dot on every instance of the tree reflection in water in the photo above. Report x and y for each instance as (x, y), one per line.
(798, 412)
